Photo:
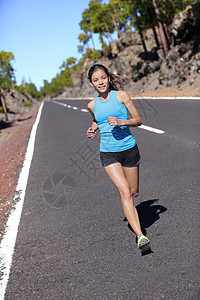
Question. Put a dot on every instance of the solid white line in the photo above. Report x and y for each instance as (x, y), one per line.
(165, 98)
(9, 238)
(159, 131)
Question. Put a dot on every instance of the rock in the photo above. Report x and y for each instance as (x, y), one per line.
(77, 79)
(160, 54)
(136, 77)
(186, 23)
(198, 66)
(128, 59)
(15, 101)
(154, 66)
(114, 49)
(192, 80)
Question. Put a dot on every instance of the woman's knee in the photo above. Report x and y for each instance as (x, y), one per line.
(125, 192)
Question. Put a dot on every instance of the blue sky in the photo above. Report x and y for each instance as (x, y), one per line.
(41, 34)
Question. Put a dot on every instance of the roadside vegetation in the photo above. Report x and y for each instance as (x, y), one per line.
(118, 16)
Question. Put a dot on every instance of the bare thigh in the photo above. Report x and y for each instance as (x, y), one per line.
(132, 175)
(117, 175)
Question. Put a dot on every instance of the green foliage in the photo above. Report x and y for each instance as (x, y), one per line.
(102, 19)
(95, 19)
(28, 88)
(71, 61)
(1, 110)
(93, 54)
(117, 14)
(80, 49)
(77, 67)
(27, 103)
(68, 63)
(84, 38)
(141, 12)
(7, 78)
(57, 84)
(45, 90)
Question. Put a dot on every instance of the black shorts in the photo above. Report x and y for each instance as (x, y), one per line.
(127, 158)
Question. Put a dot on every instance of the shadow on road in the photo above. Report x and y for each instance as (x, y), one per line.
(149, 213)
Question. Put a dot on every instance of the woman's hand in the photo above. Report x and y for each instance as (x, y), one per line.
(114, 121)
(91, 133)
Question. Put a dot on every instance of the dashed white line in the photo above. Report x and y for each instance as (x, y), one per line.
(159, 131)
(9, 238)
(145, 127)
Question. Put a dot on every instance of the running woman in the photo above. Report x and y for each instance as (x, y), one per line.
(119, 153)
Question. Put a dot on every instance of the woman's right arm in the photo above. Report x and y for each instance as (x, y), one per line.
(91, 132)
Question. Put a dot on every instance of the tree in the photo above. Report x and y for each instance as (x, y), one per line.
(68, 63)
(114, 10)
(100, 20)
(86, 25)
(152, 21)
(45, 90)
(93, 54)
(7, 78)
(28, 88)
(134, 12)
(95, 19)
(160, 27)
(84, 38)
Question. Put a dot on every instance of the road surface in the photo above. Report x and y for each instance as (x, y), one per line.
(73, 242)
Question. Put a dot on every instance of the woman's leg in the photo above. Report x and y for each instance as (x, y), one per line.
(117, 174)
(132, 175)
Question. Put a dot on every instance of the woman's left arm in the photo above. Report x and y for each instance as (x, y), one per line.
(125, 99)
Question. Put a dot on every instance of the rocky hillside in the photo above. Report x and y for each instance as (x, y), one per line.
(18, 106)
(176, 75)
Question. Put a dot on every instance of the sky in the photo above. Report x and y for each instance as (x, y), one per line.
(41, 34)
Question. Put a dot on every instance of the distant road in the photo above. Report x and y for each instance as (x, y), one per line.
(72, 241)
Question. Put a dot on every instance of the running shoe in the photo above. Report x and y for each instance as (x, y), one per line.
(143, 242)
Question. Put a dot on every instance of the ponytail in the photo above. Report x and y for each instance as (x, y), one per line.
(116, 81)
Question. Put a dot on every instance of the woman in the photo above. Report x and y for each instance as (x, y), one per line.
(119, 153)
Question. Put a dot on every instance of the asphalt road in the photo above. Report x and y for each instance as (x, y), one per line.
(73, 242)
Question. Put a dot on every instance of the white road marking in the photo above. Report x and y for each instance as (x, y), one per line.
(159, 131)
(9, 238)
(165, 98)
(145, 127)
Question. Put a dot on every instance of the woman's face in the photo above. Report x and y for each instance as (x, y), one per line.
(100, 81)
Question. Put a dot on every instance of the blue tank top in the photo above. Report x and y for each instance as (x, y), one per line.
(113, 138)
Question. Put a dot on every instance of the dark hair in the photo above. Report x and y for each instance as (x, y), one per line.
(116, 81)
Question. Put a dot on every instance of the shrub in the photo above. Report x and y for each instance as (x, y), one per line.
(27, 103)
